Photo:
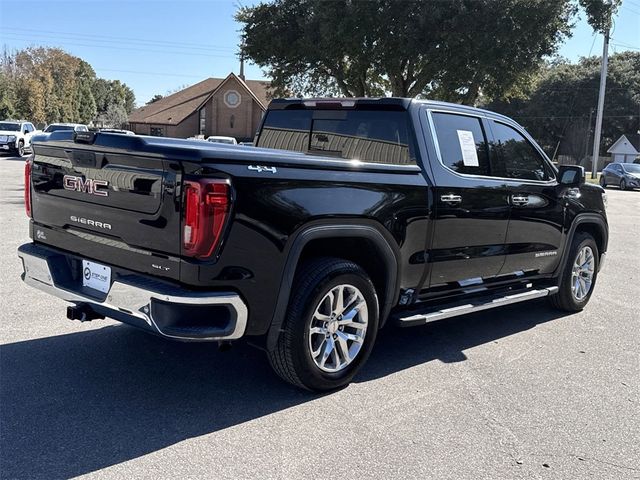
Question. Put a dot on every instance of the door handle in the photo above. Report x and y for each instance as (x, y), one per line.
(519, 200)
(451, 198)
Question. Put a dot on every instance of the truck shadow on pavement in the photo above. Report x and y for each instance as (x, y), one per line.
(75, 404)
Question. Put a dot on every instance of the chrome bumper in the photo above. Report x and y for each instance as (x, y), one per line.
(133, 302)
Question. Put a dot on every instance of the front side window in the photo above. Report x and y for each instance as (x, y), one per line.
(462, 143)
(631, 168)
(514, 157)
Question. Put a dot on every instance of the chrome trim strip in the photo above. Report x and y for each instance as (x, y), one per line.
(471, 308)
(132, 300)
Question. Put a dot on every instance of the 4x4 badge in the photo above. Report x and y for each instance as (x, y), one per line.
(262, 168)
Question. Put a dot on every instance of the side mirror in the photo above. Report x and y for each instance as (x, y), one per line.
(571, 175)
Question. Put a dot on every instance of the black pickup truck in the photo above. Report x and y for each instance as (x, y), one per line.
(347, 215)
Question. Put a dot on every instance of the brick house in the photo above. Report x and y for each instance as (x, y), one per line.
(228, 106)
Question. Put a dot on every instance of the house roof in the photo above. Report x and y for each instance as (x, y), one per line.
(632, 138)
(173, 109)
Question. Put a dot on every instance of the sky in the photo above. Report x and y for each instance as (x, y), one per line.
(157, 46)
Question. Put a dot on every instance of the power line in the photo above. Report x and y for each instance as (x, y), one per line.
(97, 69)
(630, 10)
(165, 52)
(625, 46)
(624, 43)
(111, 39)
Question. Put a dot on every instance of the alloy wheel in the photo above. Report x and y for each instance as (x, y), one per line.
(582, 273)
(338, 328)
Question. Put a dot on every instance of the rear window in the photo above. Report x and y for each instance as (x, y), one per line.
(365, 135)
(57, 128)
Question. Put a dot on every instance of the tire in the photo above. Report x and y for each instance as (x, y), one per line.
(20, 149)
(623, 184)
(603, 181)
(571, 299)
(293, 358)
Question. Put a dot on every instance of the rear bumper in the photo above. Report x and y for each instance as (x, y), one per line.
(156, 306)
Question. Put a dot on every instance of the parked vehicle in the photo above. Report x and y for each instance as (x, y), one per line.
(15, 136)
(382, 211)
(622, 175)
(220, 139)
(55, 127)
(117, 130)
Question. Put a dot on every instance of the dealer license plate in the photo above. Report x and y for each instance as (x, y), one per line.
(96, 276)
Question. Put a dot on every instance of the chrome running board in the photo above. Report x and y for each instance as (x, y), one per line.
(473, 306)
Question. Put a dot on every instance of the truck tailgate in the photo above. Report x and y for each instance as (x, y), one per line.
(116, 207)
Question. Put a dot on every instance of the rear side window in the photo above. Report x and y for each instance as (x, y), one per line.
(515, 157)
(462, 142)
(365, 135)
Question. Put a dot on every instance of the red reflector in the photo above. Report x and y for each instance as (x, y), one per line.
(27, 187)
(206, 205)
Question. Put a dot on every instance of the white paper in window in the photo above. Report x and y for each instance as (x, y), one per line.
(468, 147)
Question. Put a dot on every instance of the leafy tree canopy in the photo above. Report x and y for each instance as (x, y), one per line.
(452, 50)
(556, 111)
(47, 85)
(600, 12)
(155, 98)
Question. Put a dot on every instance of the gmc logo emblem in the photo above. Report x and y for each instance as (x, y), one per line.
(79, 184)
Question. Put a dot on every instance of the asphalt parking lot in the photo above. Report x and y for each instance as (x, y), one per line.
(518, 393)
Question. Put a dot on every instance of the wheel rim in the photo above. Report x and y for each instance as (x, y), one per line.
(21, 150)
(623, 185)
(582, 273)
(338, 328)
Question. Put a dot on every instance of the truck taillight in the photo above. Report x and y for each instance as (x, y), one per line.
(206, 207)
(27, 186)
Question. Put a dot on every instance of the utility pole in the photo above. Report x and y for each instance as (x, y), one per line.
(586, 143)
(603, 84)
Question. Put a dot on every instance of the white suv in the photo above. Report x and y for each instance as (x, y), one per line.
(15, 136)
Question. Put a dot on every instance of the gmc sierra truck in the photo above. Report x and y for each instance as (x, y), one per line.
(349, 214)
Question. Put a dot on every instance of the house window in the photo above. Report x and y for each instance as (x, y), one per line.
(156, 131)
(203, 120)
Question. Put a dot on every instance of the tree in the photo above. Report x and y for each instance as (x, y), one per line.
(7, 97)
(110, 94)
(557, 109)
(85, 104)
(456, 49)
(115, 116)
(155, 98)
(600, 12)
(49, 85)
